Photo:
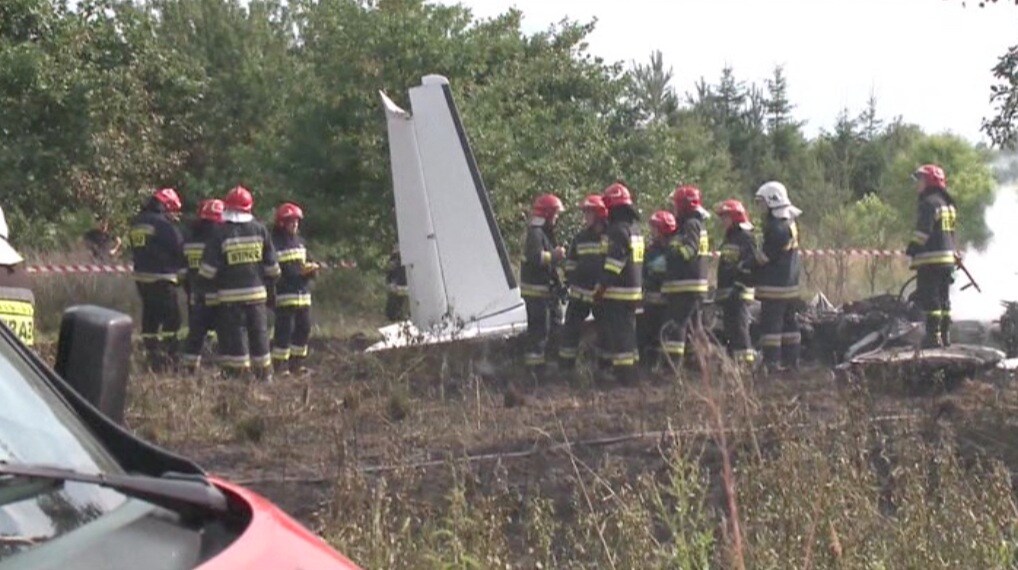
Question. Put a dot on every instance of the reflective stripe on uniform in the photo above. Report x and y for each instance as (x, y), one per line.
(771, 340)
(623, 293)
(531, 290)
(533, 359)
(932, 258)
(765, 292)
(294, 254)
(589, 248)
(791, 338)
(273, 271)
(235, 362)
(246, 294)
(19, 316)
(293, 300)
(299, 351)
(747, 355)
(581, 294)
(674, 347)
(280, 353)
(207, 271)
(685, 286)
(615, 266)
(568, 353)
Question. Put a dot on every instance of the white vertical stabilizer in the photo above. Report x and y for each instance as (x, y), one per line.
(458, 271)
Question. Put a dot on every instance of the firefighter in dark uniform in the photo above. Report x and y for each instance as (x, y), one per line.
(157, 246)
(932, 251)
(201, 305)
(538, 275)
(17, 302)
(583, 264)
(397, 292)
(240, 261)
(686, 282)
(293, 292)
(735, 286)
(655, 268)
(776, 275)
(620, 286)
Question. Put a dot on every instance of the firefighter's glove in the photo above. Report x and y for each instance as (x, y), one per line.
(310, 269)
(598, 293)
(911, 249)
(558, 254)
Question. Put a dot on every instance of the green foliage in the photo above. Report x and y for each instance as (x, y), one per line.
(102, 101)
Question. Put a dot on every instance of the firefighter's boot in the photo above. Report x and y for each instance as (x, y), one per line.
(281, 367)
(932, 338)
(298, 365)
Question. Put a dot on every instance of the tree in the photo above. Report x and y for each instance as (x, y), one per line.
(1003, 127)
(652, 90)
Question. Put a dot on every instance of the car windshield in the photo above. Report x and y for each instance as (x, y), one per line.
(37, 427)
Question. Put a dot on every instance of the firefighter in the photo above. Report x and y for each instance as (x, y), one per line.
(685, 284)
(397, 292)
(655, 266)
(582, 267)
(735, 291)
(293, 293)
(201, 305)
(620, 285)
(776, 273)
(17, 302)
(932, 252)
(538, 275)
(240, 261)
(156, 246)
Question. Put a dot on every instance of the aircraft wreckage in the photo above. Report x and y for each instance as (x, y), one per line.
(461, 285)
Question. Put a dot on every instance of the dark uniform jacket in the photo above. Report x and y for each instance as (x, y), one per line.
(777, 267)
(292, 288)
(934, 242)
(655, 268)
(537, 272)
(738, 254)
(17, 302)
(156, 246)
(622, 273)
(584, 261)
(688, 253)
(201, 233)
(238, 261)
(395, 276)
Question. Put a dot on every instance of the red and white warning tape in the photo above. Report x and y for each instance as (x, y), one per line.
(69, 268)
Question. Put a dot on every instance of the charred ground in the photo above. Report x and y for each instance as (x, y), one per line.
(451, 457)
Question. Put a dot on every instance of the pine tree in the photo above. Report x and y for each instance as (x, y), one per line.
(652, 90)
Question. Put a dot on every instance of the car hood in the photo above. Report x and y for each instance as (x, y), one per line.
(273, 540)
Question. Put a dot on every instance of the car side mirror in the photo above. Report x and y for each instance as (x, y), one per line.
(94, 356)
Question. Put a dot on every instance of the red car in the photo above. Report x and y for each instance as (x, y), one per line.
(79, 491)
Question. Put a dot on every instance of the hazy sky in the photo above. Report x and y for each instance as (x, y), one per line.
(927, 60)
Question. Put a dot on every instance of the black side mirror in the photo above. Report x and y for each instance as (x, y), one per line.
(94, 354)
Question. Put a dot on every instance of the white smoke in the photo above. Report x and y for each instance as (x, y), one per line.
(996, 267)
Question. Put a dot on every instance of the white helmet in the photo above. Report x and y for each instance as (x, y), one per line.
(8, 255)
(775, 196)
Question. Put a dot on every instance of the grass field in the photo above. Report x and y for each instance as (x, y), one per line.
(451, 458)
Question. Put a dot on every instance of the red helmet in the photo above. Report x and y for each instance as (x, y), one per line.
(617, 195)
(734, 210)
(547, 205)
(595, 203)
(211, 210)
(288, 211)
(664, 222)
(168, 198)
(239, 200)
(686, 198)
(932, 174)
